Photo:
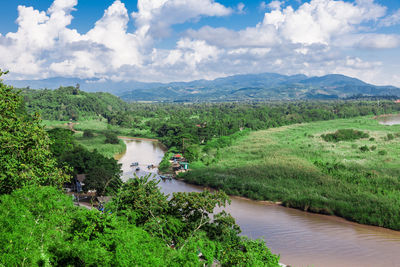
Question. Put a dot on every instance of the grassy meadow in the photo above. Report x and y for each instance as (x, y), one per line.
(358, 180)
(99, 128)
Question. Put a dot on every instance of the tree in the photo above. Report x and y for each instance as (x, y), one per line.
(111, 138)
(62, 141)
(88, 133)
(25, 157)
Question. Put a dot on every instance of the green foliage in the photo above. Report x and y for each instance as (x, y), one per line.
(344, 135)
(111, 138)
(68, 103)
(102, 173)
(192, 152)
(364, 148)
(62, 141)
(142, 195)
(88, 133)
(188, 222)
(389, 137)
(382, 152)
(165, 165)
(40, 226)
(25, 157)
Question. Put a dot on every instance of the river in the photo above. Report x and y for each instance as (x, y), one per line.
(301, 238)
(389, 119)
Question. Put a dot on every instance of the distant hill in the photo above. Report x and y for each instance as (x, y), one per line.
(264, 86)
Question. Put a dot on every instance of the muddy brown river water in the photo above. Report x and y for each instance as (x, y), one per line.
(301, 238)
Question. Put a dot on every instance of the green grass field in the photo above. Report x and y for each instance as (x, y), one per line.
(358, 180)
(98, 140)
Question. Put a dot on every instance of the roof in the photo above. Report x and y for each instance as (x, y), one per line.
(177, 156)
(104, 199)
(81, 177)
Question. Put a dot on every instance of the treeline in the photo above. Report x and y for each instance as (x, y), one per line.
(180, 125)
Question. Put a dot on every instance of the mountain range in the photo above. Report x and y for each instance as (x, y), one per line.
(263, 86)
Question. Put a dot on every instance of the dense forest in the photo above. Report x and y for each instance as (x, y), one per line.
(140, 226)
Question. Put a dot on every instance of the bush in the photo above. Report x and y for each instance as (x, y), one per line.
(344, 135)
(373, 148)
(364, 148)
(111, 138)
(382, 152)
(390, 137)
(88, 133)
(372, 139)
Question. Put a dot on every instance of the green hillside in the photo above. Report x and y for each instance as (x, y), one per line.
(68, 103)
(315, 167)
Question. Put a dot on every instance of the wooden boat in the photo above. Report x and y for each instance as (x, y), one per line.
(166, 177)
(134, 164)
(137, 169)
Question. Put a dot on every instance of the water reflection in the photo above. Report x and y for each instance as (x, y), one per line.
(302, 239)
(390, 119)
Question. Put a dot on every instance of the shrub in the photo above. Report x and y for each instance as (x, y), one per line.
(390, 137)
(344, 135)
(382, 152)
(373, 148)
(88, 133)
(364, 148)
(372, 139)
(111, 138)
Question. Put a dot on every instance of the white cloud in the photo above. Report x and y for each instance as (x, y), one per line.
(275, 5)
(262, 6)
(315, 39)
(240, 8)
(155, 17)
(379, 41)
(391, 20)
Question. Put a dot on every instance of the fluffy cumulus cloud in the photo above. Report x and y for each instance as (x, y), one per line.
(315, 39)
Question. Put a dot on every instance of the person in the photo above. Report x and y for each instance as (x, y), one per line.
(100, 207)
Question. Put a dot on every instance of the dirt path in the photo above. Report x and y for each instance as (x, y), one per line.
(71, 126)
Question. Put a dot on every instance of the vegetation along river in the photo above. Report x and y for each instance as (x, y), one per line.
(301, 238)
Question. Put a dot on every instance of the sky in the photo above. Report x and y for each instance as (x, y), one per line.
(183, 40)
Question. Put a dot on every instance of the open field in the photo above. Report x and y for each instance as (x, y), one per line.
(358, 180)
(98, 140)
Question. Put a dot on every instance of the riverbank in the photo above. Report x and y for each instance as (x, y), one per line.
(301, 238)
(356, 180)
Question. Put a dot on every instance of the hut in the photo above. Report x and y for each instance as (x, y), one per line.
(184, 165)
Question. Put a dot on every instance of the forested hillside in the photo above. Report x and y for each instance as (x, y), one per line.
(262, 86)
(68, 103)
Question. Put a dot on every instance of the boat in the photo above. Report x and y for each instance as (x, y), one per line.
(166, 177)
(137, 169)
(134, 164)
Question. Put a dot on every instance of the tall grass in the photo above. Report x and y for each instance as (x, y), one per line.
(293, 164)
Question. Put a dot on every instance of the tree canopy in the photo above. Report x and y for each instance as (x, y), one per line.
(25, 157)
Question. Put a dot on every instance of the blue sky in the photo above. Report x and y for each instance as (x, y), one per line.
(171, 40)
